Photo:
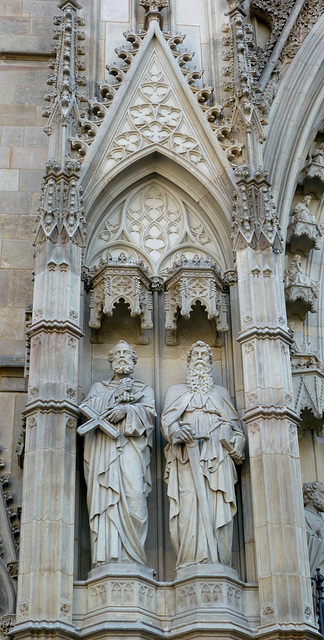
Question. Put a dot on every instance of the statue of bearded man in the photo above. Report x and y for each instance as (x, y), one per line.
(313, 493)
(205, 440)
(117, 460)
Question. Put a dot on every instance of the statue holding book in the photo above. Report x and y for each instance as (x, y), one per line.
(120, 414)
(205, 442)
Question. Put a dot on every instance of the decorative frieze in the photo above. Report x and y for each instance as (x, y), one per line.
(128, 599)
(191, 282)
(123, 281)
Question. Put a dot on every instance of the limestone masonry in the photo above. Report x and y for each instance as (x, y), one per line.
(161, 319)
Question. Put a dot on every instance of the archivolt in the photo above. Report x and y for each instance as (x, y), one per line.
(296, 115)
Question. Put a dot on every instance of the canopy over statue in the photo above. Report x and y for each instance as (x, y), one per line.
(313, 493)
(117, 461)
(205, 439)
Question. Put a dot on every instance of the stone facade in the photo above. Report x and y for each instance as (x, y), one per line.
(160, 204)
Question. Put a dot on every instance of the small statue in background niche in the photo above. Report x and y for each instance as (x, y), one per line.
(205, 440)
(301, 211)
(313, 493)
(117, 460)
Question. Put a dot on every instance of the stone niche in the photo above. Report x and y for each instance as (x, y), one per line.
(303, 233)
(301, 292)
(116, 281)
(189, 282)
(308, 384)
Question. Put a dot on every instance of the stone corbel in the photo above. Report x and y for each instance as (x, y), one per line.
(308, 384)
(312, 176)
(301, 292)
(303, 233)
(190, 283)
(120, 281)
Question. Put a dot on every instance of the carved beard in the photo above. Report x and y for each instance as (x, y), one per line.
(199, 377)
(123, 367)
(318, 503)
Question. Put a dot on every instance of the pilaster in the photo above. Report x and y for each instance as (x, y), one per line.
(45, 584)
(283, 569)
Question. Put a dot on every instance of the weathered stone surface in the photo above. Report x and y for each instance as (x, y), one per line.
(17, 113)
(14, 25)
(17, 254)
(20, 287)
(12, 323)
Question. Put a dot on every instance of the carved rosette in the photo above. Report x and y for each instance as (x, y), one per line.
(126, 282)
(188, 285)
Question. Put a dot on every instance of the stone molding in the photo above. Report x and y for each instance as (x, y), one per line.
(166, 609)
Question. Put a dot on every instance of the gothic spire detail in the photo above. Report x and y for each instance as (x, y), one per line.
(60, 212)
(255, 220)
(153, 8)
(64, 96)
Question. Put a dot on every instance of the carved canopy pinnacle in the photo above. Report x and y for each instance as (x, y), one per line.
(154, 5)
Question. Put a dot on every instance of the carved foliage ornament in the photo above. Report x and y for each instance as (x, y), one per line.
(65, 80)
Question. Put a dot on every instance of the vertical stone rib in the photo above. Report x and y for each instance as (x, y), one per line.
(45, 585)
(274, 457)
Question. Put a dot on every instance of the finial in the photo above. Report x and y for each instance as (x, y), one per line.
(152, 8)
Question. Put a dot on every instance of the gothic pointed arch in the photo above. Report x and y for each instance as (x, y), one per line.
(289, 138)
(159, 110)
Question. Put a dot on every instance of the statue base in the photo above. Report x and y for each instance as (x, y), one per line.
(119, 569)
(124, 600)
(205, 570)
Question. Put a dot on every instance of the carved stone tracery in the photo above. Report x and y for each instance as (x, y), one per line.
(308, 384)
(114, 282)
(191, 282)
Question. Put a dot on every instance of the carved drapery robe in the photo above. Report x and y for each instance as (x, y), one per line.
(204, 411)
(118, 476)
(315, 540)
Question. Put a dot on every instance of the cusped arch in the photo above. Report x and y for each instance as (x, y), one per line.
(295, 117)
(154, 220)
